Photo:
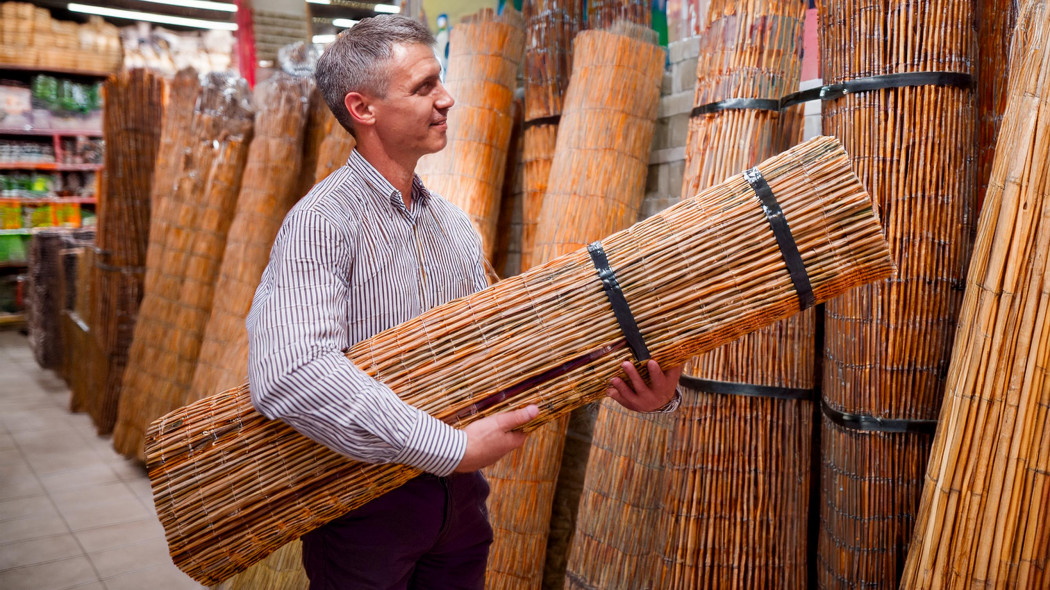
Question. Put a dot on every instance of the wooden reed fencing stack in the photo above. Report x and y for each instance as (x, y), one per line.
(506, 261)
(186, 243)
(602, 14)
(550, 26)
(995, 25)
(231, 486)
(484, 56)
(269, 189)
(887, 346)
(133, 101)
(652, 491)
(41, 295)
(984, 520)
(596, 186)
(84, 368)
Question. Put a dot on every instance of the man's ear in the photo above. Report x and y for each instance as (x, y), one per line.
(360, 108)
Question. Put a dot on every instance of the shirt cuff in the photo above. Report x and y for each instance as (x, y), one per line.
(433, 446)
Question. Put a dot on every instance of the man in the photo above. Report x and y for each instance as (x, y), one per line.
(368, 248)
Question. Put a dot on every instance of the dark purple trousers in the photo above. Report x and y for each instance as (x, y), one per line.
(431, 533)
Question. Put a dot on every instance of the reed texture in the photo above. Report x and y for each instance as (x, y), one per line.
(319, 122)
(186, 243)
(551, 26)
(887, 345)
(984, 520)
(995, 25)
(269, 189)
(732, 537)
(336, 146)
(485, 53)
(134, 99)
(603, 14)
(231, 486)
(596, 186)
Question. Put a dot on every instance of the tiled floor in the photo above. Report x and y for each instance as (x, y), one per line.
(73, 513)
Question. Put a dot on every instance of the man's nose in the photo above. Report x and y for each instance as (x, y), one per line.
(445, 100)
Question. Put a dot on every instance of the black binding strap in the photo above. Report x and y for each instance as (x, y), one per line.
(551, 120)
(873, 424)
(833, 91)
(788, 247)
(619, 303)
(748, 389)
(757, 104)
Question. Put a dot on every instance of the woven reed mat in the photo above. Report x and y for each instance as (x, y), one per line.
(231, 486)
(995, 25)
(694, 496)
(484, 57)
(887, 345)
(269, 189)
(187, 240)
(134, 99)
(550, 28)
(596, 186)
(984, 520)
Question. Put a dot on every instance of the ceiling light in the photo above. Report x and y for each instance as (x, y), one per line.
(319, 1)
(323, 39)
(153, 18)
(202, 4)
(344, 23)
(388, 8)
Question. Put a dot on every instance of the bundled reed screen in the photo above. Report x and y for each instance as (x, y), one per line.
(717, 529)
(42, 295)
(484, 56)
(603, 14)
(995, 24)
(551, 26)
(133, 139)
(984, 520)
(232, 486)
(269, 189)
(887, 345)
(335, 147)
(317, 127)
(186, 243)
(596, 186)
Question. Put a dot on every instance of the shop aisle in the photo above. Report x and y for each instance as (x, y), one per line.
(73, 513)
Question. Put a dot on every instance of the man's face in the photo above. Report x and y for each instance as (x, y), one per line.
(412, 119)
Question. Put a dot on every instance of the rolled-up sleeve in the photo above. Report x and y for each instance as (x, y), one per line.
(298, 372)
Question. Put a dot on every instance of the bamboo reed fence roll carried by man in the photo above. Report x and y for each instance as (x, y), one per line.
(368, 248)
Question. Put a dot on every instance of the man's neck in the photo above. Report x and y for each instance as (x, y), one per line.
(396, 172)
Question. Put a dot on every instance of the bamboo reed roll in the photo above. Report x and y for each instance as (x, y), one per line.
(484, 57)
(595, 187)
(318, 124)
(551, 26)
(41, 296)
(335, 147)
(269, 189)
(231, 486)
(506, 260)
(187, 239)
(603, 14)
(134, 99)
(995, 24)
(887, 345)
(734, 537)
(984, 520)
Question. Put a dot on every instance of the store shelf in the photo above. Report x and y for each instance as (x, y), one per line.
(13, 264)
(25, 231)
(51, 200)
(53, 132)
(50, 166)
(12, 319)
(35, 69)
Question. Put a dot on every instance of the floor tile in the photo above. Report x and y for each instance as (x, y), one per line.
(96, 506)
(86, 475)
(145, 554)
(36, 551)
(55, 575)
(33, 527)
(26, 507)
(166, 577)
(102, 538)
(17, 480)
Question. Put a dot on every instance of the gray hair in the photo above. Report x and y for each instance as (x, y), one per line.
(356, 60)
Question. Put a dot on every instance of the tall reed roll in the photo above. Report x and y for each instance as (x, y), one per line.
(187, 239)
(231, 486)
(317, 128)
(269, 189)
(995, 25)
(984, 520)
(751, 51)
(602, 14)
(335, 147)
(887, 345)
(133, 139)
(484, 56)
(551, 26)
(596, 186)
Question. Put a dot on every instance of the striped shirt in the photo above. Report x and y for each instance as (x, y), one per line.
(349, 261)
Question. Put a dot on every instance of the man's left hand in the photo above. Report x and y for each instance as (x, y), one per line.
(635, 394)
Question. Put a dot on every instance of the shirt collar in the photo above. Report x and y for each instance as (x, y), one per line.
(382, 187)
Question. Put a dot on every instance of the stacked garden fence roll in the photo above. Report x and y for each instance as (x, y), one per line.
(887, 345)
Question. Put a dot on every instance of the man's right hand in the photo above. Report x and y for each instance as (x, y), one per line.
(491, 437)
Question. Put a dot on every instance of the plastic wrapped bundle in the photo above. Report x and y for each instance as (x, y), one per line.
(187, 240)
